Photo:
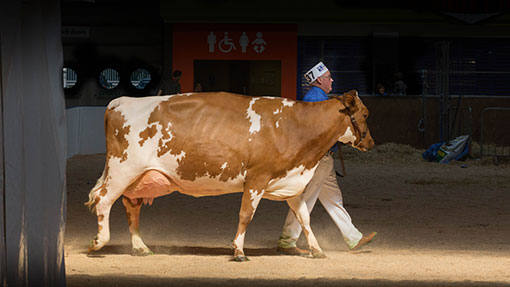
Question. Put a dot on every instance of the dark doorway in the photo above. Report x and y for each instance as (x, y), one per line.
(254, 78)
(385, 60)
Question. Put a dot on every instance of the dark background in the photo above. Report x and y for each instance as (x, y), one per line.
(453, 55)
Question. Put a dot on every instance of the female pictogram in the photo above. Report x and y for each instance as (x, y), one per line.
(243, 41)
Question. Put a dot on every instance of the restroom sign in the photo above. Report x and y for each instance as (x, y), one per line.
(235, 41)
(227, 42)
(232, 42)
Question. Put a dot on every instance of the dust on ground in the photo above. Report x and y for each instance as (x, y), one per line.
(437, 224)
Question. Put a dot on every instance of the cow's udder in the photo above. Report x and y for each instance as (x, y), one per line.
(149, 185)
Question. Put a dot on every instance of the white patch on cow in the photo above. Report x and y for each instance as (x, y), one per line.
(240, 237)
(224, 166)
(181, 94)
(239, 241)
(137, 242)
(180, 156)
(292, 183)
(253, 117)
(287, 103)
(137, 112)
(168, 127)
(347, 137)
(255, 197)
(169, 132)
(277, 124)
(116, 132)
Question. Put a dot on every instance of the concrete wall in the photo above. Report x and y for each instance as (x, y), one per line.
(85, 130)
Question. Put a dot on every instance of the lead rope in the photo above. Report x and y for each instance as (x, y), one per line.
(341, 158)
(340, 154)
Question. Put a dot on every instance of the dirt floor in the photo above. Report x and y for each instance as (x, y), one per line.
(438, 225)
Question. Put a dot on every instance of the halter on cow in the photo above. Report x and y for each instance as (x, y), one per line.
(218, 143)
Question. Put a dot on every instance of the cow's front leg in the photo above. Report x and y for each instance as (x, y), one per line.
(133, 207)
(298, 206)
(249, 203)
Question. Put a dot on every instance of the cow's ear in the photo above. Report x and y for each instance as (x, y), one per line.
(349, 99)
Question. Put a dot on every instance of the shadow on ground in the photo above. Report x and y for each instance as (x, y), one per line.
(111, 280)
(182, 250)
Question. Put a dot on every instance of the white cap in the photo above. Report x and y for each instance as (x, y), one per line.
(315, 72)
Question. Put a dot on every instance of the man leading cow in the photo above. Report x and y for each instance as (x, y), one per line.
(218, 143)
(323, 185)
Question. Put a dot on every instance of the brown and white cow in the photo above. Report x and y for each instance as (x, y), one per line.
(218, 143)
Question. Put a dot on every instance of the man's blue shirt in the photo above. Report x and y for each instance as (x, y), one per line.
(316, 94)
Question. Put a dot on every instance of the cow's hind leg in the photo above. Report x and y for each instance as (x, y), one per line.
(133, 207)
(104, 198)
(298, 206)
(103, 205)
(249, 203)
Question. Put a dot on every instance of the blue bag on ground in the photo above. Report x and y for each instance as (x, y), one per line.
(431, 153)
(442, 152)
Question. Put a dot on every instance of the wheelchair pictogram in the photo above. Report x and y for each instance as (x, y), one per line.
(226, 44)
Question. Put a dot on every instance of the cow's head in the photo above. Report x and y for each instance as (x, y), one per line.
(357, 113)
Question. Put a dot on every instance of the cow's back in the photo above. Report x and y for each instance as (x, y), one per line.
(207, 143)
(195, 140)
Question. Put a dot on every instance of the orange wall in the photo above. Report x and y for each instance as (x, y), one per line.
(190, 42)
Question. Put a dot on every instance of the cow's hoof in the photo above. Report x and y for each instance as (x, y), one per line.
(319, 255)
(92, 247)
(142, 252)
(92, 252)
(240, 258)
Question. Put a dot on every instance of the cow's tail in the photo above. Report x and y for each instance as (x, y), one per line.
(94, 193)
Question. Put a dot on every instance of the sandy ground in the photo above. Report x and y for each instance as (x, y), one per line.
(438, 225)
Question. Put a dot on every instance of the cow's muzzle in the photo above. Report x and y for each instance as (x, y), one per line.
(366, 143)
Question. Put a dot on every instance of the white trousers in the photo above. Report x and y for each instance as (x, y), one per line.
(324, 186)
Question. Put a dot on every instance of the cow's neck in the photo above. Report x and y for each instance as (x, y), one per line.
(324, 125)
